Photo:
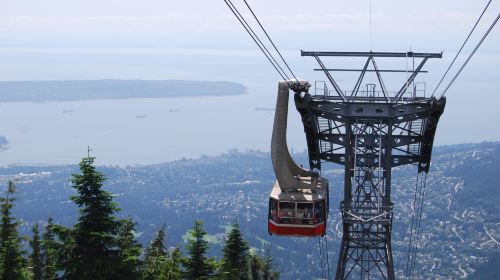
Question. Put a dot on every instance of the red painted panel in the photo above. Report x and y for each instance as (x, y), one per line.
(290, 230)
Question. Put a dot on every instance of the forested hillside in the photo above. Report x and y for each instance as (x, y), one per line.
(460, 229)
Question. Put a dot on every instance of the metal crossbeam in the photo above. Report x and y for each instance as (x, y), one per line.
(363, 70)
(372, 54)
(381, 82)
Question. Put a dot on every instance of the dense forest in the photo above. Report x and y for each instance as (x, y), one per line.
(102, 246)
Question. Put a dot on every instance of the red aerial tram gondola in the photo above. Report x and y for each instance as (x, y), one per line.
(298, 204)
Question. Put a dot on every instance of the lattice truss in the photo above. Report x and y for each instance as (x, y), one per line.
(368, 132)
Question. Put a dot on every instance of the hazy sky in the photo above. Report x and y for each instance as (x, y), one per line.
(163, 39)
(295, 24)
(207, 29)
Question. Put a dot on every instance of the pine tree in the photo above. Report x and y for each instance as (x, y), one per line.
(268, 272)
(94, 254)
(235, 255)
(129, 252)
(197, 265)
(172, 267)
(256, 267)
(156, 256)
(49, 251)
(11, 256)
(36, 258)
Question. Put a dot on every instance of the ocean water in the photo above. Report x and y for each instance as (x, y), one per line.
(144, 131)
(140, 131)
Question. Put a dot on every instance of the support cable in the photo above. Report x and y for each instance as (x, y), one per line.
(245, 23)
(321, 259)
(268, 37)
(370, 25)
(470, 56)
(327, 258)
(460, 50)
(413, 224)
(260, 41)
(417, 241)
(256, 39)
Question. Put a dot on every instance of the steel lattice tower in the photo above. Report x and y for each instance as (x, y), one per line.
(369, 132)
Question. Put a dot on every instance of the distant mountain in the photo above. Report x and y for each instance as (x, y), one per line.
(459, 234)
(43, 91)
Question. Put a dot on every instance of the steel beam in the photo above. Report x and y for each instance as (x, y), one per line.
(330, 78)
(360, 78)
(410, 80)
(372, 54)
(361, 70)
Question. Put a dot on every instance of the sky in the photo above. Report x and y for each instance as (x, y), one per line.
(209, 24)
(201, 40)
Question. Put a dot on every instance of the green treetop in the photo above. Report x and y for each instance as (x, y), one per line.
(235, 255)
(94, 254)
(172, 267)
(256, 267)
(12, 263)
(268, 273)
(35, 257)
(49, 249)
(197, 265)
(156, 256)
(129, 252)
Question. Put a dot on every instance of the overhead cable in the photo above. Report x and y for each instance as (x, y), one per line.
(256, 39)
(327, 258)
(463, 44)
(470, 56)
(321, 259)
(371, 25)
(268, 37)
(417, 237)
(414, 216)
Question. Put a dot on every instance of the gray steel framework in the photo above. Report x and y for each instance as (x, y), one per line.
(369, 132)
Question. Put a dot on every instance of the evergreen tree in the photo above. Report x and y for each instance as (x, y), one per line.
(197, 265)
(156, 256)
(94, 254)
(256, 267)
(129, 252)
(172, 267)
(49, 251)
(64, 246)
(235, 255)
(36, 258)
(268, 272)
(12, 263)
